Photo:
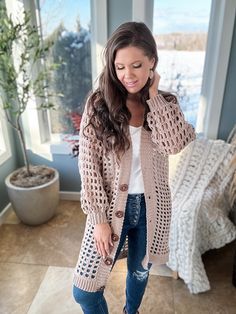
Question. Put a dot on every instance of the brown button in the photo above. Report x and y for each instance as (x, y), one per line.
(124, 187)
(119, 213)
(108, 261)
(101, 288)
(114, 237)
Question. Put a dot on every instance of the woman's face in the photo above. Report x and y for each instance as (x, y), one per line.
(133, 68)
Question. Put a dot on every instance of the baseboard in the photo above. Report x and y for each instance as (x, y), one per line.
(70, 196)
(5, 214)
(8, 211)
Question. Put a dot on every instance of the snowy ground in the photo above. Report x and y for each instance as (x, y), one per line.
(181, 72)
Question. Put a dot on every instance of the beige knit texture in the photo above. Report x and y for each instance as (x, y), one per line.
(105, 187)
(200, 208)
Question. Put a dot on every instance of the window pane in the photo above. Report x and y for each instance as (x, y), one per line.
(180, 29)
(67, 23)
(5, 151)
(2, 141)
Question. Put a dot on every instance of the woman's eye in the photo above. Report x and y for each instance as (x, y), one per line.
(119, 68)
(136, 66)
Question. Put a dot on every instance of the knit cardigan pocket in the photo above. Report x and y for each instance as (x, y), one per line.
(94, 201)
(170, 131)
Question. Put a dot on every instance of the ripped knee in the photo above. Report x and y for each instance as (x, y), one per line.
(141, 275)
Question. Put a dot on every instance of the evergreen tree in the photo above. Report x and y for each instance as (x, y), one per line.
(73, 79)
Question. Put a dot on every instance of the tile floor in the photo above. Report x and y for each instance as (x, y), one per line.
(36, 265)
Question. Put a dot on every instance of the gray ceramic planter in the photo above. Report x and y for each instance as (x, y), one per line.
(35, 205)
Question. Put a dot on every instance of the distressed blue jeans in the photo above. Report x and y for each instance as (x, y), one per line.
(137, 277)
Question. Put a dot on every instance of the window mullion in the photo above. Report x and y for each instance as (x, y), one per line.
(99, 34)
(142, 11)
(42, 115)
(216, 66)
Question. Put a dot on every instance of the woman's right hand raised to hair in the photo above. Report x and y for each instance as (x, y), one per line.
(102, 235)
(153, 89)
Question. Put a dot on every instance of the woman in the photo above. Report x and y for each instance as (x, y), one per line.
(128, 130)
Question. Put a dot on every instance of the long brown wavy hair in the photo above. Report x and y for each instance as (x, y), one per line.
(110, 115)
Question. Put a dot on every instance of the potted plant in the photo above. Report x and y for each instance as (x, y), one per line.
(33, 190)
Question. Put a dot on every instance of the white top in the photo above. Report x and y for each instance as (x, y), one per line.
(136, 178)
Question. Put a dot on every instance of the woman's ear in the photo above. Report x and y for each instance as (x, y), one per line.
(152, 62)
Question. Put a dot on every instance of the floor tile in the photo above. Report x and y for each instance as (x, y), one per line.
(158, 298)
(115, 292)
(55, 293)
(161, 270)
(14, 242)
(26, 252)
(210, 302)
(221, 298)
(57, 243)
(120, 265)
(18, 286)
(185, 302)
(11, 218)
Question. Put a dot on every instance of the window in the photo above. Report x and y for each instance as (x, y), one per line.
(5, 151)
(67, 24)
(180, 29)
(79, 44)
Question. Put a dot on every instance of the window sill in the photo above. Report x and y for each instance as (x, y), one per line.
(60, 148)
(4, 156)
(55, 147)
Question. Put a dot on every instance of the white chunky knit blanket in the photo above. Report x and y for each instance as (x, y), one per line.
(200, 208)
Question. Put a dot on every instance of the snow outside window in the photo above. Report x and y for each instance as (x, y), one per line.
(180, 29)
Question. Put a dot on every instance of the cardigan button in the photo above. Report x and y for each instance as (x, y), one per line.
(124, 187)
(108, 261)
(101, 288)
(115, 237)
(119, 214)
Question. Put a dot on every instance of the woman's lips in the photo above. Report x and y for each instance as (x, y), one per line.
(131, 84)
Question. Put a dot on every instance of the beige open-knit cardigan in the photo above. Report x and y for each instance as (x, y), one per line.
(105, 188)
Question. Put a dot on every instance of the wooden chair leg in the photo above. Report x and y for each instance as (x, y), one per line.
(175, 275)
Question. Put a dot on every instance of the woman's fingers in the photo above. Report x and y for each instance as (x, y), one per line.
(156, 79)
(103, 240)
(103, 248)
(107, 248)
(110, 241)
(98, 248)
(153, 90)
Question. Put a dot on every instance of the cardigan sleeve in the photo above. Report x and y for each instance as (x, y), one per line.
(170, 131)
(94, 201)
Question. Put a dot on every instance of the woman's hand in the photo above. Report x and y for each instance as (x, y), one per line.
(153, 89)
(102, 235)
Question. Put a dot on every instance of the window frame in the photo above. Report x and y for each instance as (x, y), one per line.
(39, 138)
(220, 33)
(5, 153)
(142, 11)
